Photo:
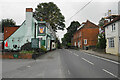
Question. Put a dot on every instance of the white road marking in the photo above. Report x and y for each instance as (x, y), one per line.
(76, 54)
(88, 61)
(103, 58)
(28, 66)
(73, 53)
(68, 72)
(109, 73)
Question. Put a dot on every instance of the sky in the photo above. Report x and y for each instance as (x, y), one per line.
(15, 9)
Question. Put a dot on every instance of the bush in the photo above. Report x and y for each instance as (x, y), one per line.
(101, 42)
(43, 48)
(25, 52)
(27, 47)
(68, 44)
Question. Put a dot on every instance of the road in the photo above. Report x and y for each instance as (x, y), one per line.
(78, 64)
(62, 63)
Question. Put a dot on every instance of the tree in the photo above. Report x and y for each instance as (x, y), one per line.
(101, 22)
(59, 46)
(101, 40)
(50, 13)
(70, 32)
(7, 23)
(73, 27)
(0, 26)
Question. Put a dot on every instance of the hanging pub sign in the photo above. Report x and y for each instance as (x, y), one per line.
(41, 29)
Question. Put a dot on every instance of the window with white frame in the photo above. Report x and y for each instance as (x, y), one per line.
(111, 42)
(85, 41)
(78, 44)
(75, 44)
(119, 39)
(113, 27)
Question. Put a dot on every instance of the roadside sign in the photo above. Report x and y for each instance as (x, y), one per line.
(15, 55)
(35, 42)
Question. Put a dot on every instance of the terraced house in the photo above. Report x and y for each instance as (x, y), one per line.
(86, 35)
(15, 37)
(112, 33)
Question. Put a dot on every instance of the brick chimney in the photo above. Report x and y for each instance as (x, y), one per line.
(29, 10)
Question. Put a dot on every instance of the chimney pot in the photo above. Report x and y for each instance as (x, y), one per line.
(29, 10)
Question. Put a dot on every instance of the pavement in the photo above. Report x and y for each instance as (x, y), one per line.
(104, 55)
(46, 66)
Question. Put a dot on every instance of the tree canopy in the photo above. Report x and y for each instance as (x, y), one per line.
(73, 27)
(101, 22)
(101, 40)
(50, 13)
(7, 23)
(70, 32)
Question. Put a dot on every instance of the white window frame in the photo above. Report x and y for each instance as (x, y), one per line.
(85, 41)
(78, 44)
(119, 38)
(75, 44)
(113, 27)
(111, 42)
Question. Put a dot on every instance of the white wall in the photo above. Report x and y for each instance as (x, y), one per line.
(112, 34)
(119, 7)
(23, 33)
(108, 31)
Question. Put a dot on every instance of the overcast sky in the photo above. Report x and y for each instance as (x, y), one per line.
(15, 9)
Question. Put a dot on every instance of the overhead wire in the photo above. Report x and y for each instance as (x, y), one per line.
(79, 10)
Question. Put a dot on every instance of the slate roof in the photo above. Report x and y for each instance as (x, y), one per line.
(113, 21)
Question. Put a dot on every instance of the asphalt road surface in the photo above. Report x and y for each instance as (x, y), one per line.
(77, 64)
(62, 63)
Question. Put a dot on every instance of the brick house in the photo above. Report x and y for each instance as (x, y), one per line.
(86, 35)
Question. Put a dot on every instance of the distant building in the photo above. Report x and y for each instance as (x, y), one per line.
(1, 41)
(112, 33)
(15, 37)
(86, 35)
(1, 37)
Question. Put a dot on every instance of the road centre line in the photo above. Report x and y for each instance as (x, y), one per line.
(103, 58)
(110, 73)
(88, 61)
(69, 72)
(76, 54)
(73, 53)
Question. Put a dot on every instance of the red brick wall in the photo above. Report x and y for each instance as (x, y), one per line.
(90, 32)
